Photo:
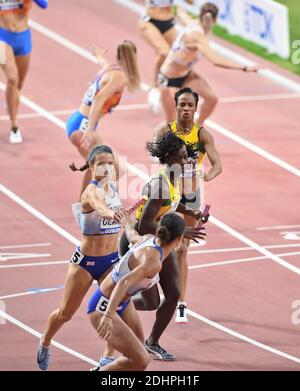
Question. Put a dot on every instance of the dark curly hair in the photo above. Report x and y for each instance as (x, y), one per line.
(167, 144)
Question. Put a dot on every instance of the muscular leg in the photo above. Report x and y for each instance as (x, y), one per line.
(77, 283)
(210, 99)
(12, 85)
(182, 252)
(123, 339)
(170, 286)
(22, 63)
(159, 42)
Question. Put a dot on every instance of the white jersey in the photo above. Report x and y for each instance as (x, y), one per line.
(122, 268)
(159, 3)
(91, 223)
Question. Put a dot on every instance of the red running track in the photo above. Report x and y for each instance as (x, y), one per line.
(252, 297)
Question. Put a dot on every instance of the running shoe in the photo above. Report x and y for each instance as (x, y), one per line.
(43, 357)
(15, 136)
(159, 352)
(154, 100)
(104, 360)
(181, 315)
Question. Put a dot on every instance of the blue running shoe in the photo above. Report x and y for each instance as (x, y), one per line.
(104, 360)
(43, 357)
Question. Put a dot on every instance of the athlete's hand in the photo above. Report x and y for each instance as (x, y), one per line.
(105, 327)
(118, 215)
(199, 216)
(194, 233)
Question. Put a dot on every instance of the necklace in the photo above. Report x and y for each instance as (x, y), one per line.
(183, 130)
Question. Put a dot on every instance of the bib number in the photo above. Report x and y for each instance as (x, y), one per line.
(102, 304)
(77, 257)
(84, 124)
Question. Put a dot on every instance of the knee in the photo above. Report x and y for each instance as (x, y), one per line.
(143, 361)
(64, 315)
(13, 80)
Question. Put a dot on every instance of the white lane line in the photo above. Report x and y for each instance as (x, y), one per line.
(142, 175)
(218, 128)
(4, 257)
(25, 246)
(252, 147)
(233, 249)
(13, 266)
(278, 227)
(143, 106)
(243, 337)
(241, 260)
(58, 345)
(228, 53)
(31, 292)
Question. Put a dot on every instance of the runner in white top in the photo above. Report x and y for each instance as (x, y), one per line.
(188, 48)
(157, 27)
(111, 309)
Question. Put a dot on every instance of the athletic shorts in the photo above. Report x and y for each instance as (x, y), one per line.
(20, 42)
(177, 82)
(77, 121)
(98, 302)
(96, 266)
(191, 200)
(162, 25)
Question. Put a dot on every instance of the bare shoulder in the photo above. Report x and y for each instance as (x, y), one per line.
(161, 129)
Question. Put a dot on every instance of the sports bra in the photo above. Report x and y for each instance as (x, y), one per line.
(159, 3)
(122, 268)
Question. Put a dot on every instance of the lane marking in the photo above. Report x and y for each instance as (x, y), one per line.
(58, 345)
(218, 128)
(277, 227)
(143, 106)
(243, 337)
(25, 246)
(233, 249)
(4, 257)
(32, 292)
(32, 264)
(241, 260)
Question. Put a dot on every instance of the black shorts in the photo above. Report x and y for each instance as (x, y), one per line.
(177, 82)
(192, 200)
(162, 25)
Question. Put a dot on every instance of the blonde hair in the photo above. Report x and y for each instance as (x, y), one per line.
(126, 54)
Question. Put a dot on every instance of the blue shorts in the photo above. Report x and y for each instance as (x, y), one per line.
(77, 121)
(98, 302)
(96, 266)
(20, 42)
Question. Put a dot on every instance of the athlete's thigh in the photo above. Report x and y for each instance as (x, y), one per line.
(10, 68)
(154, 38)
(199, 85)
(78, 282)
(23, 66)
(169, 275)
(131, 318)
(170, 35)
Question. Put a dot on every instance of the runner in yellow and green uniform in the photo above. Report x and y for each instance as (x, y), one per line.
(201, 141)
(162, 195)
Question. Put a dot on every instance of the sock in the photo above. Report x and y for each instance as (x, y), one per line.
(14, 129)
(182, 303)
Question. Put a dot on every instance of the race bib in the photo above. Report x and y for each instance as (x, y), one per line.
(77, 257)
(84, 124)
(109, 226)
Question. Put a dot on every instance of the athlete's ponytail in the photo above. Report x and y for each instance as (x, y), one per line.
(209, 8)
(126, 55)
(170, 227)
(91, 157)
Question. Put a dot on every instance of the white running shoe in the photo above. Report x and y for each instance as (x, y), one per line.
(181, 315)
(154, 100)
(15, 136)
